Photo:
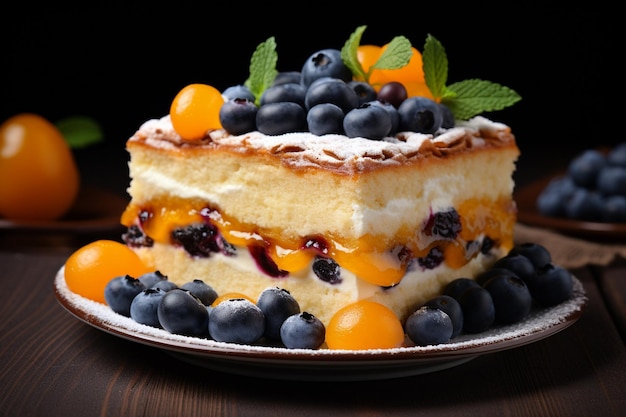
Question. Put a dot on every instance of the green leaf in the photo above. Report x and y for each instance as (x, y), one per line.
(349, 53)
(435, 65)
(465, 99)
(472, 97)
(397, 54)
(80, 131)
(262, 68)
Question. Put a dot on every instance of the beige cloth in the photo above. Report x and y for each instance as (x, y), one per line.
(570, 252)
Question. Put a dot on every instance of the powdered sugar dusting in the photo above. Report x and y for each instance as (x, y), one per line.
(332, 149)
(539, 324)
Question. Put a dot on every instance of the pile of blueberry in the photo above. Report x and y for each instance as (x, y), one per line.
(504, 294)
(322, 98)
(593, 188)
(153, 300)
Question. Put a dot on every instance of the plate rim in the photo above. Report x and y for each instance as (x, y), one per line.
(86, 311)
(527, 213)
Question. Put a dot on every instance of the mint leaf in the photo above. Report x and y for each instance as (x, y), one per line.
(435, 65)
(397, 54)
(465, 99)
(349, 54)
(262, 68)
(472, 97)
(80, 131)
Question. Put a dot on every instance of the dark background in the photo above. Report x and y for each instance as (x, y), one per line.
(122, 66)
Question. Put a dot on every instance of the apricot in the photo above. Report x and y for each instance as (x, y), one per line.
(39, 178)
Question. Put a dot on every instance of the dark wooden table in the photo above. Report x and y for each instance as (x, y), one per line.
(52, 364)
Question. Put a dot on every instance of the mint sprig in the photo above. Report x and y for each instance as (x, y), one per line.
(397, 54)
(467, 98)
(80, 131)
(262, 68)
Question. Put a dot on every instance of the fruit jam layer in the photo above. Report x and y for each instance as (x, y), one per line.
(452, 237)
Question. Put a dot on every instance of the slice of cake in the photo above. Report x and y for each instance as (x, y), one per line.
(333, 219)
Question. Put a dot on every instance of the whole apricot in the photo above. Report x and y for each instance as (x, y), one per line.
(39, 178)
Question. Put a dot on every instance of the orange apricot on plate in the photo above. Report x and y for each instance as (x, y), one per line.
(195, 110)
(363, 325)
(90, 268)
(39, 178)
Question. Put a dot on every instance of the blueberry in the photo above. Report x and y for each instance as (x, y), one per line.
(238, 116)
(429, 326)
(479, 312)
(143, 308)
(612, 180)
(617, 155)
(292, 92)
(165, 284)
(120, 291)
(394, 116)
(517, 263)
(276, 304)
(302, 331)
(280, 118)
(238, 92)
(458, 286)
(552, 200)
(236, 320)
(150, 278)
(332, 91)
(447, 122)
(327, 270)
(585, 204)
(538, 255)
(584, 168)
(136, 238)
(420, 114)
(364, 91)
(325, 118)
(433, 259)
(285, 77)
(552, 285)
(180, 312)
(325, 63)
(203, 291)
(367, 121)
(452, 308)
(198, 239)
(393, 93)
(486, 275)
(511, 298)
(614, 209)
(445, 224)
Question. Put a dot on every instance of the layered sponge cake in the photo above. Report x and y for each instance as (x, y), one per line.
(326, 183)
(330, 218)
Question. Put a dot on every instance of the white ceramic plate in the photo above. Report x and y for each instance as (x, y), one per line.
(325, 364)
